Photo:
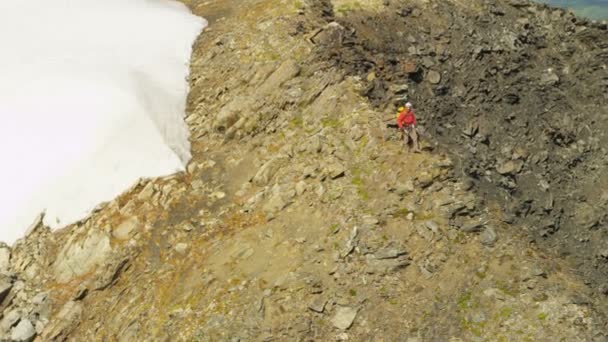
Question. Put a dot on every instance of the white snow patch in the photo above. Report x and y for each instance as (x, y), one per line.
(92, 98)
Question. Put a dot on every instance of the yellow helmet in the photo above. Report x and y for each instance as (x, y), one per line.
(401, 109)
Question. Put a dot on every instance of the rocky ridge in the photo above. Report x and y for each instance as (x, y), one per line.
(302, 217)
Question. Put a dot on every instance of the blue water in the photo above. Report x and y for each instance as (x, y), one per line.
(593, 9)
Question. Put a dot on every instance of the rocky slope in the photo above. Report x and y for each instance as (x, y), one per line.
(302, 217)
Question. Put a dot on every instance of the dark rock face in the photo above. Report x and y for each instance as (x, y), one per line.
(516, 92)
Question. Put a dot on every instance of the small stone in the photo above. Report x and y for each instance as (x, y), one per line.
(370, 221)
(300, 240)
(318, 305)
(300, 187)
(540, 297)
(24, 331)
(537, 271)
(336, 170)
(390, 252)
(472, 227)
(188, 227)
(218, 195)
(181, 248)
(489, 237)
(510, 167)
(433, 77)
(425, 179)
(344, 317)
(342, 337)
(402, 189)
(433, 226)
(549, 78)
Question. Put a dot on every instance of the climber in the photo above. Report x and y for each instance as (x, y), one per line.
(406, 120)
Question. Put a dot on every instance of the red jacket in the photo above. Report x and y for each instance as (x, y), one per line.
(406, 119)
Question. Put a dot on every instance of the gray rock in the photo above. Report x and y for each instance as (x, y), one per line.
(433, 226)
(181, 248)
(471, 129)
(425, 179)
(472, 227)
(433, 77)
(267, 171)
(390, 252)
(402, 189)
(301, 187)
(336, 170)
(230, 114)
(386, 266)
(510, 167)
(276, 203)
(488, 237)
(24, 331)
(344, 317)
(288, 70)
(538, 271)
(549, 78)
(318, 305)
(188, 227)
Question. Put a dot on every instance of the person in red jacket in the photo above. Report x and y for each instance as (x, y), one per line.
(406, 120)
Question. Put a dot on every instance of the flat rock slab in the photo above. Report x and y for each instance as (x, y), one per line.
(344, 317)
